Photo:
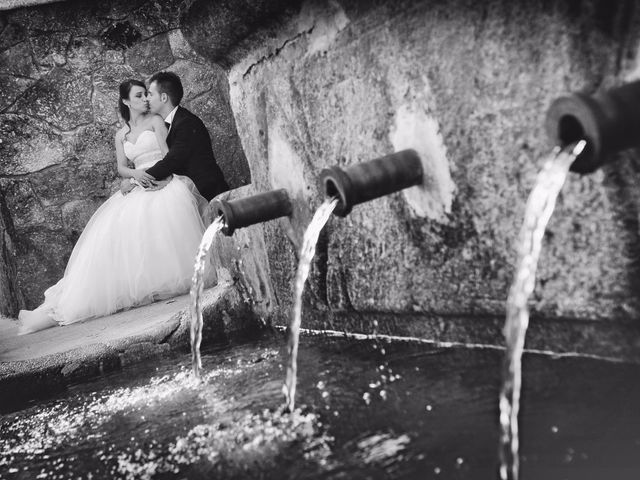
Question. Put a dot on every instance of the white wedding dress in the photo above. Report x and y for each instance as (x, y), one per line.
(135, 249)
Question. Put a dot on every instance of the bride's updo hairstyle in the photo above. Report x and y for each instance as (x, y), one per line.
(125, 90)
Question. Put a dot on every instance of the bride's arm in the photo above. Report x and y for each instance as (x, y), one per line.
(161, 132)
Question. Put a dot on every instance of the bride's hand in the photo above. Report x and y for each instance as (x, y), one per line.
(126, 186)
(143, 178)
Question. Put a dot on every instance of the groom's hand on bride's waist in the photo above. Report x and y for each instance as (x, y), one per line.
(158, 184)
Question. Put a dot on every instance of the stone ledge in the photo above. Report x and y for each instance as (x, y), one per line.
(45, 362)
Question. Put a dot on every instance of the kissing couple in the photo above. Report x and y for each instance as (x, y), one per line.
(140, 245)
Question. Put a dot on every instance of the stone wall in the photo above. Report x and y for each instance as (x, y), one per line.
(11, 299)
(467, 85)
(317, 83)
(60, 67)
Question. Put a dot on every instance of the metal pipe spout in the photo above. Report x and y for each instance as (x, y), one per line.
(368, 180)
(609, 121)
(251, 210)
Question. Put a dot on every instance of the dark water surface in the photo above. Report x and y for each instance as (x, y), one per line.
(416, 411)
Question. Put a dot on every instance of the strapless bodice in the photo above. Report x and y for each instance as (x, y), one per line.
(145, 151)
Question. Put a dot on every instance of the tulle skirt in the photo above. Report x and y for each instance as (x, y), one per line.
(136, 249)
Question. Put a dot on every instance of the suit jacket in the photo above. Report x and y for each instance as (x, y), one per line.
(190, 154)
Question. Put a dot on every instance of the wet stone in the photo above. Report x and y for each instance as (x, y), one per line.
(76, 369)
(143, 351)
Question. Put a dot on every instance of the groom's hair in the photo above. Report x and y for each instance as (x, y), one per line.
(169, 83)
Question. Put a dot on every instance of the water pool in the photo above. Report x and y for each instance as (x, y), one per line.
(367, 409)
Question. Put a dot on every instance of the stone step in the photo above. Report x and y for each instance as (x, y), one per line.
(46, 360)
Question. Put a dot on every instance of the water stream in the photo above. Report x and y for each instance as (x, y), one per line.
(540, 205)
(197, 285)
(309, 242)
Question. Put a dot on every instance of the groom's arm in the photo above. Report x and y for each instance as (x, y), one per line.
(181, 148)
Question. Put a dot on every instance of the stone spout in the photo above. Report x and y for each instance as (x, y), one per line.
(609, 121)
(251, 210)
(368, 180)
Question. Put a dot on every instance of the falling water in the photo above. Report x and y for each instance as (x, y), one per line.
(537, 213)
(306, 255)
(197, 284)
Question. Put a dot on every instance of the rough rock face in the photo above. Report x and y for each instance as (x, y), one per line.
(466, 84)
(60, 67)
(11, 299)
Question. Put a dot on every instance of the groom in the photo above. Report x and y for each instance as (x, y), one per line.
(190, 151)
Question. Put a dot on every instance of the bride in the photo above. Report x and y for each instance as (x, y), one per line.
(140, 245)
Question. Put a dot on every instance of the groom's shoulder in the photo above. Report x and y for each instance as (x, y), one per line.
(189, 115)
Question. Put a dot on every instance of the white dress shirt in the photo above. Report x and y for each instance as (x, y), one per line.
(169, 118)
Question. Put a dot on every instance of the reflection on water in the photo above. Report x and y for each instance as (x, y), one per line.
(437, 419)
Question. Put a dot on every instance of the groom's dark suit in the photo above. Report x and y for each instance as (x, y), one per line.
(190, 154)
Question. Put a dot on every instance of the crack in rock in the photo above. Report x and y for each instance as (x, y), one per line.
(277, 50)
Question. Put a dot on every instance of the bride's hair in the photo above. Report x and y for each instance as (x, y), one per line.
(125, 89)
